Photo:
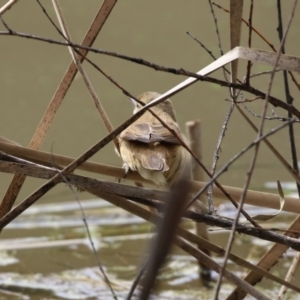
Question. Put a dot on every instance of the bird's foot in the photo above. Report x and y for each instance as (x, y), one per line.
(127, 169)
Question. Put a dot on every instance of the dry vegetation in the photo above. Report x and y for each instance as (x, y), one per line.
(29, 161)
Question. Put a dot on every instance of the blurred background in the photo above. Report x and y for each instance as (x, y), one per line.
(30, 72)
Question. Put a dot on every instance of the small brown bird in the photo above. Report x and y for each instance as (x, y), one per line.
(149, 148)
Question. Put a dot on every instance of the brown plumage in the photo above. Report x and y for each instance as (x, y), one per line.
(147, 147)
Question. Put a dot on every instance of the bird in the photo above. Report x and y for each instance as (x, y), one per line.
(150, 149)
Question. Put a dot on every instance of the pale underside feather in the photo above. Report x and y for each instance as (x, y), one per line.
(153, 162)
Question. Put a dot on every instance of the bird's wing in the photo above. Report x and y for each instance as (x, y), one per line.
(150, 133)
(154, 162)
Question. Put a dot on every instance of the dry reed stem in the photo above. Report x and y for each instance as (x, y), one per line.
(273, 100)
(7, 6)
(236, 12)
(135, 209)
(193, 130)
(95, 187)
(269, 259)
(159, 99)
(173, 91)
(263, 38)
(72, 166)
(247, 23)
(11, 164)
(256, 150)
(290, 275)
(287, 166)
(88, 232)
(57, 99)
(210, 263)
(236, 15)
(83, 74)
(89, 86)
(257, 146)
(249, 64)
(67, 36)
(256, 198)
(217, 268)
(288, 96)
(102, 113)
(271, 147)
(165, 233)
(234, 158)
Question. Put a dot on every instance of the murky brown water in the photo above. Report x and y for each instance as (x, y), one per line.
(31, 71)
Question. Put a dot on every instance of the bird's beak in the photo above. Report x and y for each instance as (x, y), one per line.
(133, 101)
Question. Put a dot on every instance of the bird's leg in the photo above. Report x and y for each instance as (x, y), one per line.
(127, 169)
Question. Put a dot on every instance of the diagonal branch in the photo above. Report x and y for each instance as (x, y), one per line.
(43, 127)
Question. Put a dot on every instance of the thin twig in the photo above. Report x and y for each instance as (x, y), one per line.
(202, 45)
(12, 165)
(27, 202)
(107, 281)
(267, 261)
(256, 149)
(222, 134)
(216, 157)
(244, 21)
(244, 100)
(275, 101)
(178, 138)
(289, 98)
(66, 35)
(263, 73)
(137, 279)
(106, 120)
(210, 263)
(206, 49)
(218, 34)
(253, 197)
(275, 117)
(173, 71)
(212, 220)
(263, 38)
(290, 275)
(44, 125)
(233, 159)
